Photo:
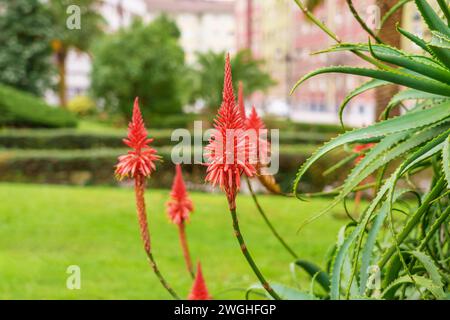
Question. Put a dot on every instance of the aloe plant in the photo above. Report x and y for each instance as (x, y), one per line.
(399, 247)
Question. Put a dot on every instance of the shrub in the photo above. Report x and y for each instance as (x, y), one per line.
(81, 105)
(74, 139)
(20, 109)
(94, 166)
(174, 121)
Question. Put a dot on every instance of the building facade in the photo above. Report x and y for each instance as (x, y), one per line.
(283, 37)
(204, 25)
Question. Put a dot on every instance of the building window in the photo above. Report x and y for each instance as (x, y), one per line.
(361, 109)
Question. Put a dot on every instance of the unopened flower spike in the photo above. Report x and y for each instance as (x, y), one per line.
(178, 209)
(199, 290)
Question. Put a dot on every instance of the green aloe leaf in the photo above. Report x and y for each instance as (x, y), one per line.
(412, 94)
(431, 18)
(426, 283)
(399, 149)
(435, 23)
(397, 77)
(314, 271)
(379, 48)
(433, 71)
(445, 9)
(428, 150)
(418, 41)
(382, 49)
(406, 122)
(439, 40)
(431, 268)
(347, 243)
(409, 94)
(285, 292)
(446, 160)
(374, 83)
(367, 251)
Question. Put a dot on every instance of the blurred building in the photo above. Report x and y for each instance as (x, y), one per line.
(278, 32)
(204, 25)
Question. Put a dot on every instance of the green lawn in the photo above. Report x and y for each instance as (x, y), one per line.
(44, 229)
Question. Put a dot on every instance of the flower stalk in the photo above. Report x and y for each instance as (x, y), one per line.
(179, 209)
(248, 256)
(269, 223)
(185, 248)
(138, 164)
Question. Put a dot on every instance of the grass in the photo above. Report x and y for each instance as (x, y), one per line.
(44, 229)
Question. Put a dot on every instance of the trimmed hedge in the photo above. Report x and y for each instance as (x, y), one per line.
(21, 109)
(287, 125)
(95, 166)
(74, 139)
(185, 120)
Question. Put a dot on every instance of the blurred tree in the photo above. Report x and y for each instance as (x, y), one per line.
(76, 24)
(142, 60)
(245, 68)
(25, 52)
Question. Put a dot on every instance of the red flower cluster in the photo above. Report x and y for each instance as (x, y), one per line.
(199, 290)
(141, 159)
(360, 148)
(254, 122)
(180, 205)
(228, 153)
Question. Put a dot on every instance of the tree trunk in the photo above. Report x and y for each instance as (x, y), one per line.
(388, 33)
(61, 57)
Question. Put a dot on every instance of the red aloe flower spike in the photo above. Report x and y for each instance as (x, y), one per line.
(360, 148)
(199, 290)
(141, 159)
(180, 206)
(241, 101)
(178, 210)
(225, 168)
(227, 152)
(138, 163)
(254, 122)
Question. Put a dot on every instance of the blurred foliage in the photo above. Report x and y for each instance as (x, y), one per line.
(144, 60)
(104, 138)
(81, 105)
(26, 31)
(245, 68)
(91, 23)
(21, 109)
(65, 38)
